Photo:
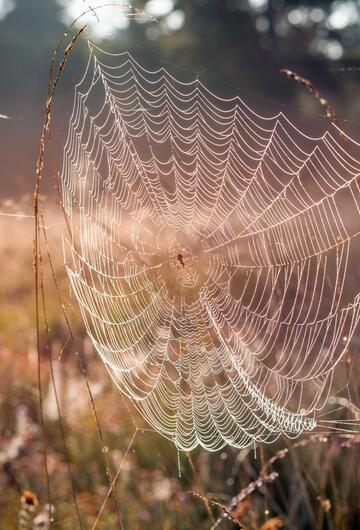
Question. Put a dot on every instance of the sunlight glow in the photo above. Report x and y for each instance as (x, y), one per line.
(332, 49)
(110, 19)
(159, 8)
(6, 6)
(258, 4)
(175, 20)
(343, 14)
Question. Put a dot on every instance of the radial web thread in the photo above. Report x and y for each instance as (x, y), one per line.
(209, 253)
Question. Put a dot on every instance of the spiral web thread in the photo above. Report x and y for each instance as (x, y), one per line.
(210, 253)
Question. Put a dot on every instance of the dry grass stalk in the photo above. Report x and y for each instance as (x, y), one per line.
(328, 109)
(266, 477)
(53, 82)
(223, 508)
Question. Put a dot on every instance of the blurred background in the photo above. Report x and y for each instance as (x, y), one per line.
(235, 47)
(244, 43)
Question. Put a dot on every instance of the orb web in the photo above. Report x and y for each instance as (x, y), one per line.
(209, 253)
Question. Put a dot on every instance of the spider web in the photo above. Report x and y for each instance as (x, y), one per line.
(209, 253)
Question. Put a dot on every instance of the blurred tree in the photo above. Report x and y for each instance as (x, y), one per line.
(241, 41)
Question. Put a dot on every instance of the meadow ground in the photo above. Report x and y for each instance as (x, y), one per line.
(311, 483)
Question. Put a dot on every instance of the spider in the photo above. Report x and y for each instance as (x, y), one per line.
(180, 260)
